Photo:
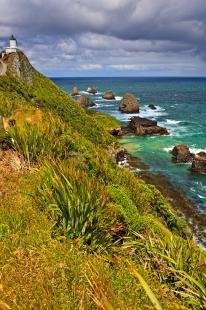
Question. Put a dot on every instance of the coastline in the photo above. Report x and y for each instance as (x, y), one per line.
(184, 206)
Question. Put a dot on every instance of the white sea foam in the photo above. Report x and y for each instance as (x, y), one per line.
(192, 149)
(201, 197)
(84, 92)
(145, 111)
(195, 150)
(172, 122)
(118, 98)
(168, 149)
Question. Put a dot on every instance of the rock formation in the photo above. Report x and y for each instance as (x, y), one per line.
(91, 90)
(108, 95)
(152, 106)
(18, 65)
(129, 104)
(181, 154)
(85, 102)
(199, 163)
(142, 126)
(75, 91)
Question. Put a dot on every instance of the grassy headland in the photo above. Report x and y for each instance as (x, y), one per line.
(76, 230)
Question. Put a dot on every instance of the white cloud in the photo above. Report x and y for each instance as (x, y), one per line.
(120, 35)
(90, 66)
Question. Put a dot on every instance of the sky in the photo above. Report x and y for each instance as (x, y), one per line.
(109, 37)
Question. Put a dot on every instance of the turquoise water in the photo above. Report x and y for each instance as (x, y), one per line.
(181, 107)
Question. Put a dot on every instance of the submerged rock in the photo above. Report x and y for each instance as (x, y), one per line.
(91, 90)
(85, 102)
(129, 104)
(143, 126)
(152, 106)
(75, 91)
(108, 95)
(181, 154)
(199, 163)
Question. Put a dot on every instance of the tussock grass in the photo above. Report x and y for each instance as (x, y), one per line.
(78, 204)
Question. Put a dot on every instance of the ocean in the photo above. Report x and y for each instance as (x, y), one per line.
(181, 108)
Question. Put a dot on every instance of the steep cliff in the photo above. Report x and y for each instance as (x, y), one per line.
(18, 65)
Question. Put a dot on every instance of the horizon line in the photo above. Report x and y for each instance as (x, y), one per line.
(131, 76)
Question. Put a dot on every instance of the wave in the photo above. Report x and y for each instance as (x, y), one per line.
(201, 197)
(172, 122)
(192, 149)
(195, 150)
(168, 149)
(145, 111)
(84, 92)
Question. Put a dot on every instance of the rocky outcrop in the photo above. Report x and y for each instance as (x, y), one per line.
(108, 95)
(181, 154)
(199, 163)
(143, 126)
(121, 157)
(85, 102)
(18, 65)
(129, 104)
(152, 106)
(116, 132)
(75, 91)
(91, 90)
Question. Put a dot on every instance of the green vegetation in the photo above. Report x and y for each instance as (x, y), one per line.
(76, 230)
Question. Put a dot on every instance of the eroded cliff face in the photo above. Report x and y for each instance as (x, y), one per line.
(19, 65)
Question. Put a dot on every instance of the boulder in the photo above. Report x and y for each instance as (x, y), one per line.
(85, 102)
(143, 126)
(116, 132)
(199, 163)
(129, 104)
(181, 154)
(152, 106)
(91, 90)
(121, 157)
(75, 91)
(108, 95)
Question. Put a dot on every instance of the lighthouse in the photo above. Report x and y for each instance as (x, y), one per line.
(12, 45)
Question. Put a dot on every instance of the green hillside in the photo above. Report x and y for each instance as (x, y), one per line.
(76, 230)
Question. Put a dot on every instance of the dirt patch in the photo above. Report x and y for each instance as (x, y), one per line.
(10, 161)
(12, 166)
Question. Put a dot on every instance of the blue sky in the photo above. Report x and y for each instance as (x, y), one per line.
(109, 38)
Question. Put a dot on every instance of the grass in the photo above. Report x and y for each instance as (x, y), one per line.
(77, 203)
(77, 231)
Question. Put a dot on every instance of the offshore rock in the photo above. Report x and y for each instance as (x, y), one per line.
(152, 106)
(85, 102)
(91, 90)
(129, 104)
(108, 95)
(143, 126)
(199, 163)
(75, 91)
(181, 154)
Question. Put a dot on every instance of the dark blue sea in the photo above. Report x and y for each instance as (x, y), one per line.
(181, 108)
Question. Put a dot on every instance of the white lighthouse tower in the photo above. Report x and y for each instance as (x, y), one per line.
(12, 45)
